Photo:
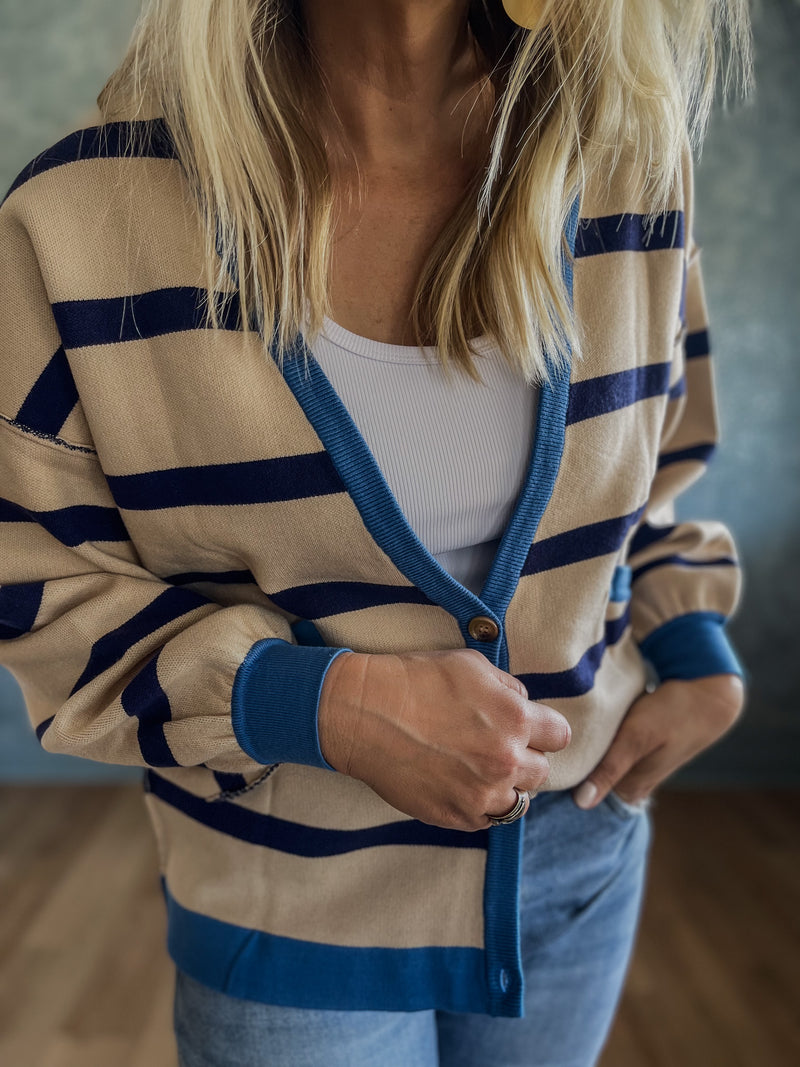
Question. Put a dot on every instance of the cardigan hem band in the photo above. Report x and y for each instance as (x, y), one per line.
(255, 965)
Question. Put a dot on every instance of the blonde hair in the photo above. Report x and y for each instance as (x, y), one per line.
(237, 87)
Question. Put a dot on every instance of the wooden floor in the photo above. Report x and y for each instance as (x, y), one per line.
(85, 980)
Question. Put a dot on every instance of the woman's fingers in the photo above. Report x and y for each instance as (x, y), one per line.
(443, 736)
(550, 731)
(530, 776)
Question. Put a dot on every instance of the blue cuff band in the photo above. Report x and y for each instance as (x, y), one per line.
(275, 701)
(694, 645)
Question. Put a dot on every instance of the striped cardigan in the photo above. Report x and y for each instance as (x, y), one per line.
(190, 536)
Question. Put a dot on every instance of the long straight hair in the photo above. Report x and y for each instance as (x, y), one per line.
(238, 87)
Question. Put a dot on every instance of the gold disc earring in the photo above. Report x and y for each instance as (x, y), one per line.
(526, 13)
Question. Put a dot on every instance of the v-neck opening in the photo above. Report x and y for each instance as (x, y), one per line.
(381, 512)
(366, 484)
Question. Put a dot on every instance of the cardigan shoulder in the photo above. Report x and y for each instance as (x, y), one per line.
(104, 203)
(137, 139)
(94, 230)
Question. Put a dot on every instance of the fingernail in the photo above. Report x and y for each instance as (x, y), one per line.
(585, 794)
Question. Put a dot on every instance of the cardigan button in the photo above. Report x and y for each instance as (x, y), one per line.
(482, 628)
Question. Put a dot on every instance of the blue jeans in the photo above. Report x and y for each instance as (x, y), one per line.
(581, 894)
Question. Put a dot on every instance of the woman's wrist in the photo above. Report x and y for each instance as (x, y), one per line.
(339, 708)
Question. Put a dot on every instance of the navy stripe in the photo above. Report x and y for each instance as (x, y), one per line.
(577, 680)
(306, 633)
(42, 727)
(219, 577)
(11, 512)
(71, 526)
(584, 542)
(647, 535)
(697, 344)
(678, 389)
(144, 699)
(681, 561)
(629, 233)
(320, 599)
(111, 647)
(19, 606)
(136, 316)
(52, 398)
(256, 481)
(230, 783)
(298, 839)
(701, 453)
(138, 138)
(610, 392)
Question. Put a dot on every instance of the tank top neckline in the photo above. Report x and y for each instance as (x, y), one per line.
(382, 350)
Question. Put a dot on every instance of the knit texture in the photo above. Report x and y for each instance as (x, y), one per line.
(189, 536)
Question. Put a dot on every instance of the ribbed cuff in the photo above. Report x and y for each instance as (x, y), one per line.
(275, 701)
(694, 645)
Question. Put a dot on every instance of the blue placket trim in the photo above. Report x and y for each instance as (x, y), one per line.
(387, 524)
(505, 977)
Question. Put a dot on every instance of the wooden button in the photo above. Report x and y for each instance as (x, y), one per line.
(482, 628)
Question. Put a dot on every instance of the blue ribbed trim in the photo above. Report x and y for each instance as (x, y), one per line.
(504, 974)
(694, 645)
(305, 974)
(275, 701)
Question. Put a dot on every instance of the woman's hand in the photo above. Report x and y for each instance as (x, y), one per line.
(661, 731)
(443, 736)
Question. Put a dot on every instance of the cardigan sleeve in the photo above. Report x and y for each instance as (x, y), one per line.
(685, 575)
(116, 664)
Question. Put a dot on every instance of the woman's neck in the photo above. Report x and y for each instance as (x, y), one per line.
(402, 75)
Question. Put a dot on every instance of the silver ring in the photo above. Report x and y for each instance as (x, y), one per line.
(517, 811)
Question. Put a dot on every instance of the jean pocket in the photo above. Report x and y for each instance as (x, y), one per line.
(624, 808)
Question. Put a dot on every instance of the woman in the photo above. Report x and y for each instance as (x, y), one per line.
(377, 621)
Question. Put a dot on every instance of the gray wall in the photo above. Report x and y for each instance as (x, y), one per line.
(748, 223)
(54, 58)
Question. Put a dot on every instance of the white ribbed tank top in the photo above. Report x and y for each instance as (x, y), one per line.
(454, 454)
